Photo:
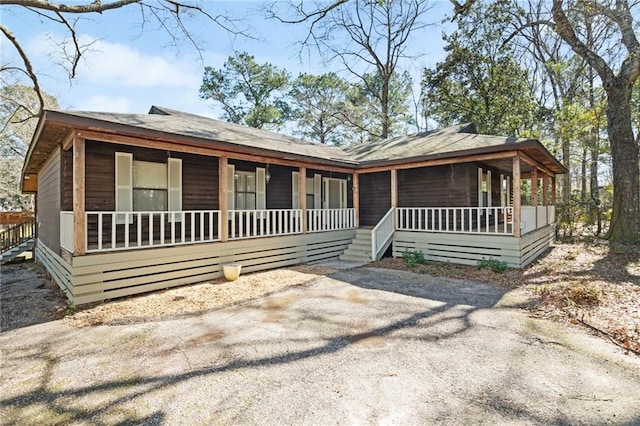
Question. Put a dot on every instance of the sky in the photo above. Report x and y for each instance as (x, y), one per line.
(127, 69)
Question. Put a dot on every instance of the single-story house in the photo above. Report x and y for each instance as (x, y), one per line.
(130, 203)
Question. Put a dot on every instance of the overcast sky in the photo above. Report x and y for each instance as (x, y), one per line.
(126, 70)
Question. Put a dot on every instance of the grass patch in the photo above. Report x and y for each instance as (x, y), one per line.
(495, 265)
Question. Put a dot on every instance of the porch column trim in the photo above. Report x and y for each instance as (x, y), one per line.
(79, 221)
(356, 199)
(516, 196)
(534, 195)
(394, 188)
(302, 191)
(222, 197)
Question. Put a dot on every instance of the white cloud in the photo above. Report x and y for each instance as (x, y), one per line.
(116, 64)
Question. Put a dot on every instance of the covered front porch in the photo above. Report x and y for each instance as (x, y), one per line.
(466, 206)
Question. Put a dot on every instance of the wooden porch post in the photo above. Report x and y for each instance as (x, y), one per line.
(79, 222)
(394, 188)
(553, 190)
(356, 199)
(534, 194)
(545, 195)
(302, 191)
(516, 196)
(222, 197)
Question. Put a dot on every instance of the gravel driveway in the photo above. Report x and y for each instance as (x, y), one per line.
(360, 346)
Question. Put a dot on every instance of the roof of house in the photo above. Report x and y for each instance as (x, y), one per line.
(194, 130)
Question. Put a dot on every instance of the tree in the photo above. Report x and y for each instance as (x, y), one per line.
(364, 115)
(318, 105)
(250, 93)
(169, 15)
(618, 85)
(369, 37)
(19, 109)
(480, 80)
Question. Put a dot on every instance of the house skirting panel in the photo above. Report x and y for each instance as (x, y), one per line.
(101, 276)
(58, 268)
(469, 249)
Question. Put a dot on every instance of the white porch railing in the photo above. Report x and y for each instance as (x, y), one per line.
(66, 230)
(106, 231)
(264, 223)
(477, 220)
(330, 219)
(381, 234)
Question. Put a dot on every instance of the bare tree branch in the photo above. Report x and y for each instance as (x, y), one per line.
(28, 68)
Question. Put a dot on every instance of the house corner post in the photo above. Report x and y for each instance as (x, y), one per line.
(534, 194)
(222, 197)
(394, 188)
(79, 218)
(356, 199)
(516, 196)
(302, 191)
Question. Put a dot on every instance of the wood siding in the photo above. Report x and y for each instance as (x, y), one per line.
(439, 186)
(375, 197)
(48, 202)
(199, 176)
(103, 276)
(279, 190)
(469, 249)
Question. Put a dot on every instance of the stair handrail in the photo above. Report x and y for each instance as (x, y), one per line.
(17, 234)
(382, 233)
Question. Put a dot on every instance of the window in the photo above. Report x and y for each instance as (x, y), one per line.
(245, 190)
(335, 193)
(147, 186)
(150, 188)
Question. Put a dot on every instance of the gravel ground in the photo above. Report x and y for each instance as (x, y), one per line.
(359, 346)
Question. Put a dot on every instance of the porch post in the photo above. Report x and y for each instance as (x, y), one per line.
(222, 197)
(356, 199)
(553, 190)
(302, 191)
(534, 194)
(545, 195)
(79, 222)
(516, 196)
(394, 188)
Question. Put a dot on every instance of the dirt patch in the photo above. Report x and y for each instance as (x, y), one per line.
(28, 296)
(596, 285)
(355, 296)
(195, 299)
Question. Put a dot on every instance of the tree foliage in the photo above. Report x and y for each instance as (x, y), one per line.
(480, 80)
(19, 110)
(318, 103)
(249, 93)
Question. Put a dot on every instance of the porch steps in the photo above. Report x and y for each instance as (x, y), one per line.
(10, 255)
(360, 248)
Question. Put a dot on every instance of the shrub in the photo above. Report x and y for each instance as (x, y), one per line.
(413, 258)
(495, 265)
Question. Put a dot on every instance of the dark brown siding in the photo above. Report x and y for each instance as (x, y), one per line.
(279, 187)
(439, 186)
(48, 203)
(199, 182)
(375, 197)
(66, 170)
(199, 176)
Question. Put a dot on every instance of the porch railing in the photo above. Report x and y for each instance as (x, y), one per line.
(381, 234)
(480, 220)
(264, 223)
(330, 219)
(15, 235)
(126, 230)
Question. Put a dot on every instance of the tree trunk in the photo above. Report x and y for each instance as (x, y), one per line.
(625, 221)
(583, 178)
